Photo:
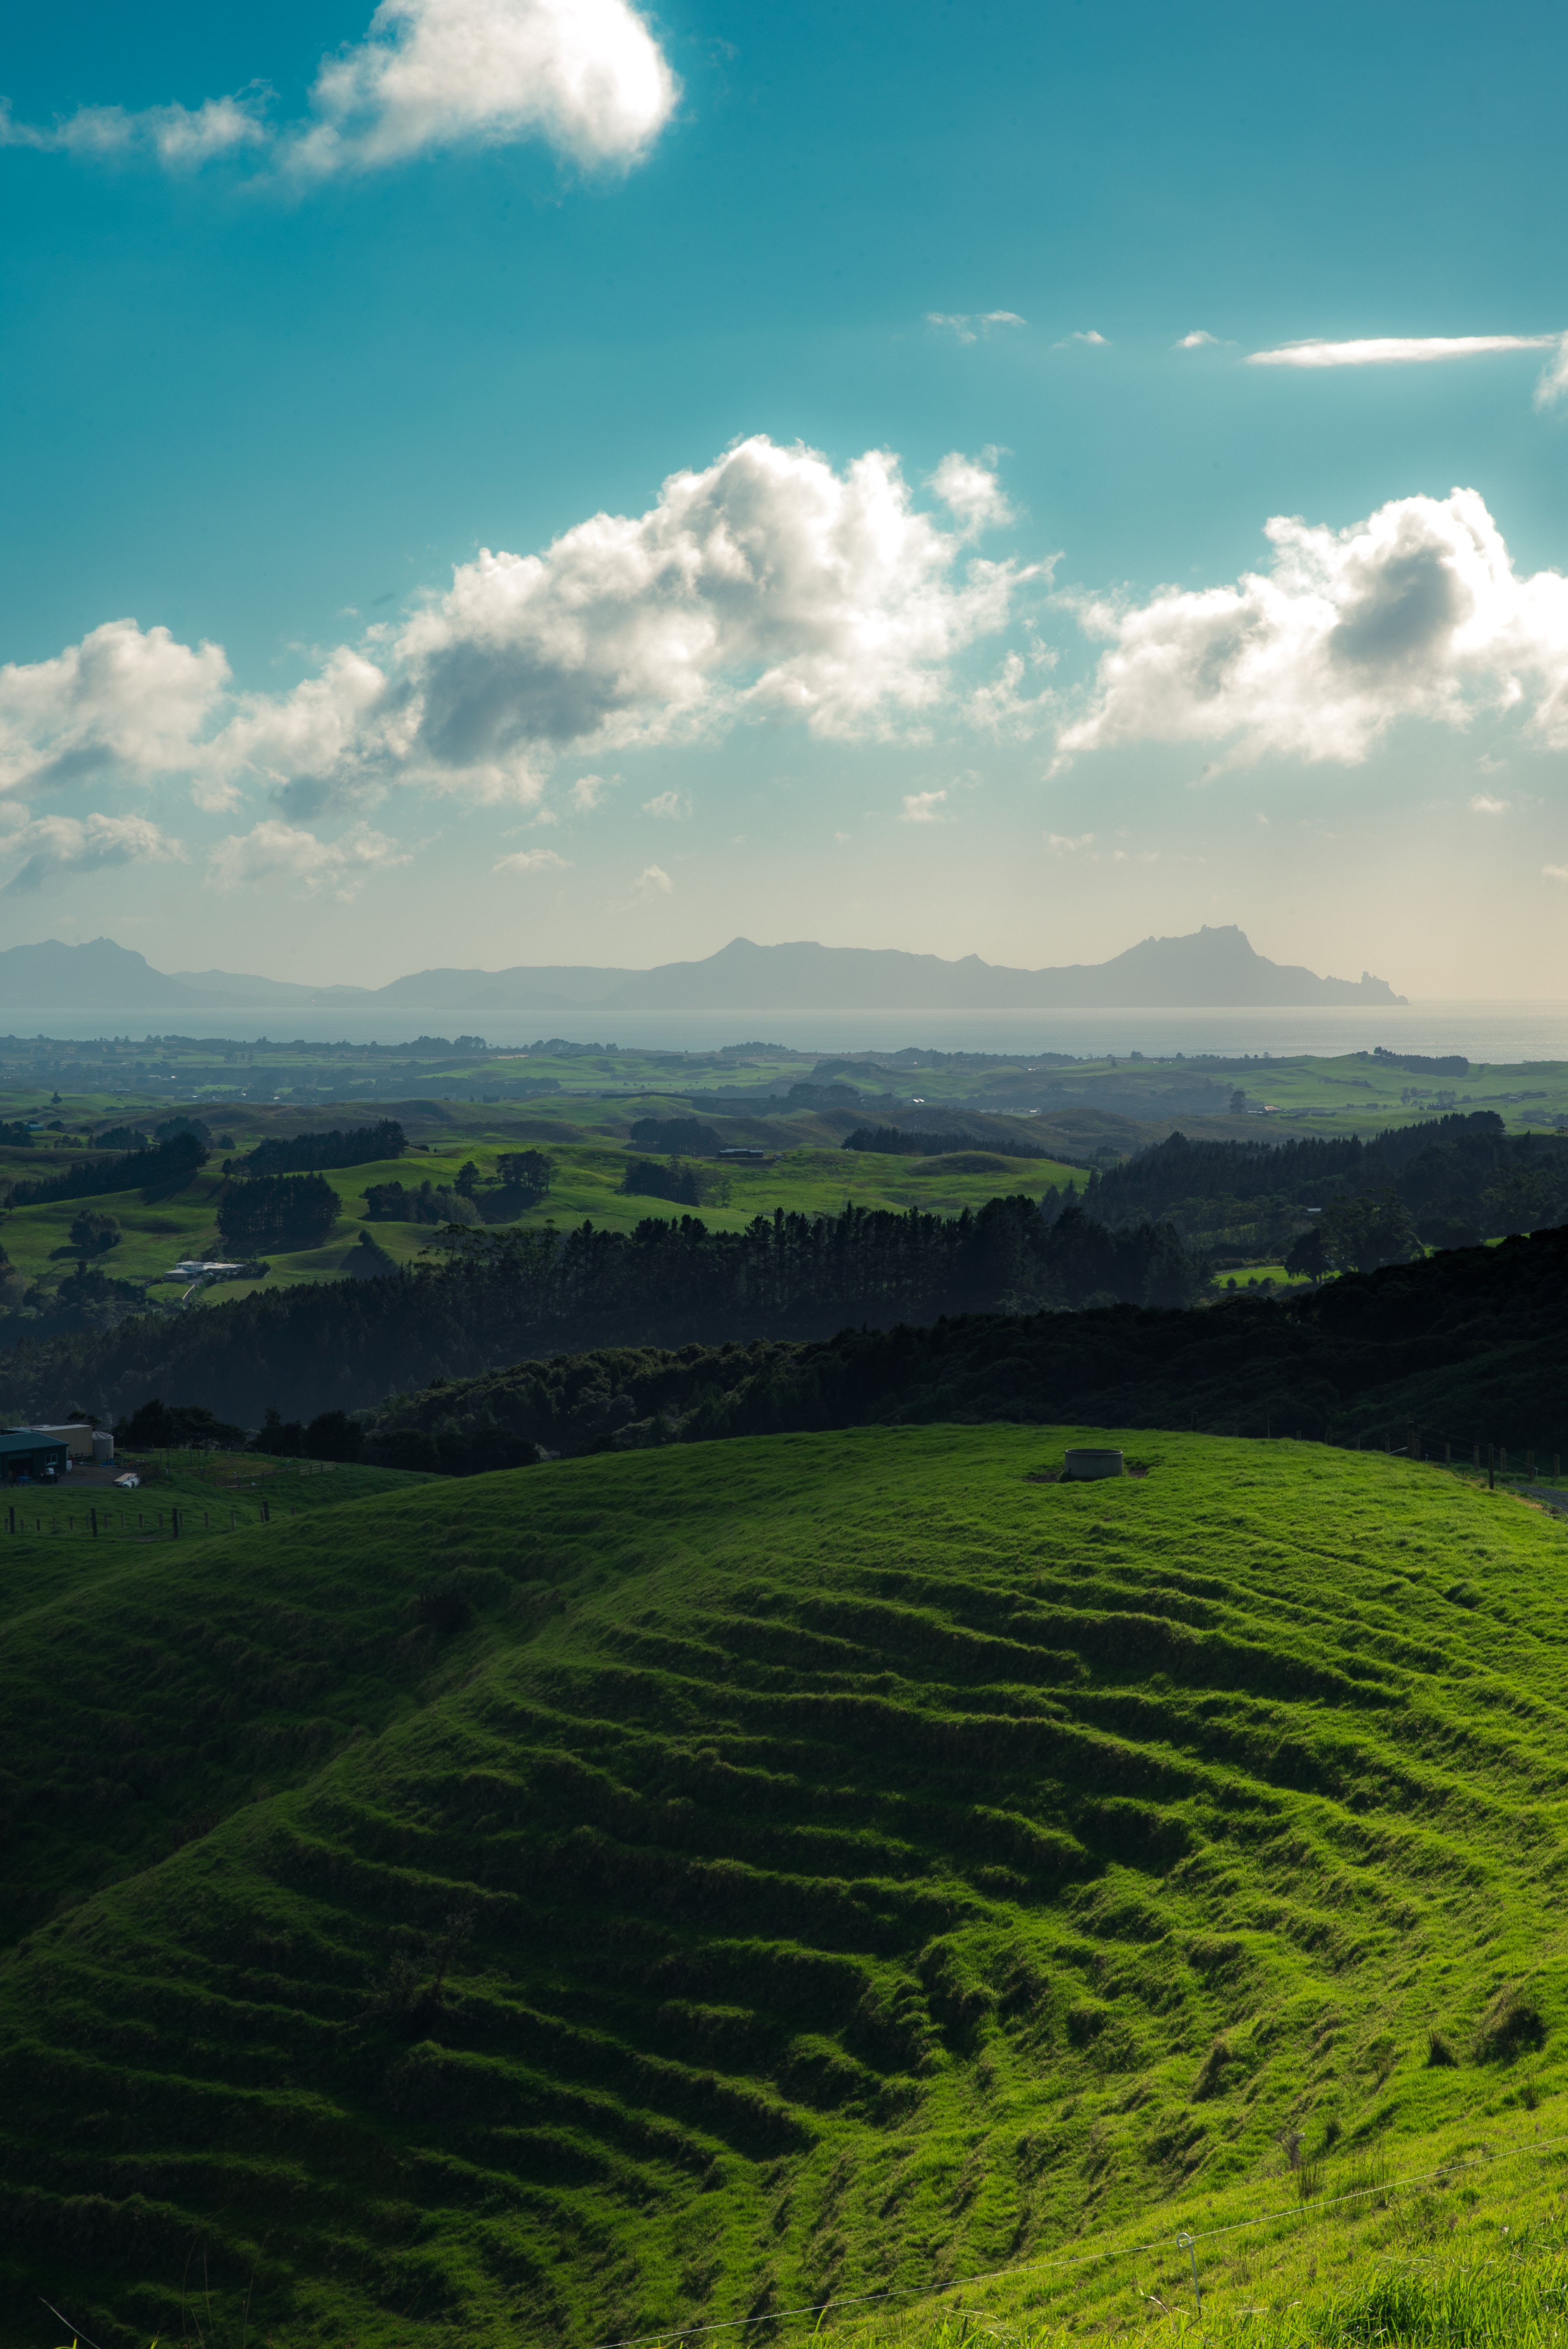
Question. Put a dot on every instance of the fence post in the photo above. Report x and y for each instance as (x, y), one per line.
(1491, 1469)
(1185, 2243)
(92, 1517)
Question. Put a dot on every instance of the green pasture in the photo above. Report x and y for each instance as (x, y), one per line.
(587, 1182)
(49, 1546)
(660, 1889)
(258, 1088)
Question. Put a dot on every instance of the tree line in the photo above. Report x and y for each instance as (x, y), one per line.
(1459, 1177)
(1465, 1344)
(501, 1295)
(309, 1153)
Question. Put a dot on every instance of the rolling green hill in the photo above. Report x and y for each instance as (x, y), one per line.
(652, 1888)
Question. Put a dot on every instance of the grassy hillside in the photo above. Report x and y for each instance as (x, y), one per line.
(658, 1887)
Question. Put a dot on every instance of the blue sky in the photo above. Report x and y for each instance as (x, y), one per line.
(286, 351)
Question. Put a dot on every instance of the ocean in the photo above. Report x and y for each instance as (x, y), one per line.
(1494, 1032)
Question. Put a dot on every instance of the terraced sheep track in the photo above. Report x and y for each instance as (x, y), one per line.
(673, 1886)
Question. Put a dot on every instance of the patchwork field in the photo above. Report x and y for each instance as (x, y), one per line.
(657, 1888)
(158, 1232)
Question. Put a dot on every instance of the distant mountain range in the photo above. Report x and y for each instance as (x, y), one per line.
(1208, 969)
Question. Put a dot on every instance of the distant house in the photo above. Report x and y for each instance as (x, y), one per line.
(25, 1452)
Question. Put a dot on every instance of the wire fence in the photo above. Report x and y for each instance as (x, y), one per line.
(1517, 1466)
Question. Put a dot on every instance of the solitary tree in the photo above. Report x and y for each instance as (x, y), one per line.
(1307, 1255)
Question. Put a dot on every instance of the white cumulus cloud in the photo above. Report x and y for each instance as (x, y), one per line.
(1414, 613)
(588, 791)
(64, 843)
(272, 851)
(767, 586)
(652, 882)
(1484, 804)
(922, 807)
(121, 699)
(585, 76)
(531, 860)
(970, 490)
(1195, 340)
(669, 805)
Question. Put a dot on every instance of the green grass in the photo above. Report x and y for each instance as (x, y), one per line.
(659, 1888)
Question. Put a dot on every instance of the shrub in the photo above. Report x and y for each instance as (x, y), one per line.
(92, 1233)
(1510, 2024)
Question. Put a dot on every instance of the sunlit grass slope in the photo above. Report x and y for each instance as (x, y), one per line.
(659, 1886)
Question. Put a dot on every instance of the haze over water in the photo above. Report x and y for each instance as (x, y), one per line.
(1481, 1031)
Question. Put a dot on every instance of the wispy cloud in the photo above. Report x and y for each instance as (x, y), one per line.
(584, 75)
(669, 805)
(1091, 334)
(1555, 871)
(652, 882)
(1393, 350)
(1424, 350)
(922, 807)
(54, 845)
(531, 860)
(1195, 340)
(973, 325)
(276, 851)
(175, 136)
(1484, 804)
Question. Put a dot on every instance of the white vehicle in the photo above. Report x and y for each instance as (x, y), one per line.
(130, 1482)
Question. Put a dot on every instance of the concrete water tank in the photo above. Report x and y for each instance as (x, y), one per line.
(1085, 1463)
(103, 1447)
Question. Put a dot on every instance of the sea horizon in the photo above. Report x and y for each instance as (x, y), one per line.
(1496, 1031)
